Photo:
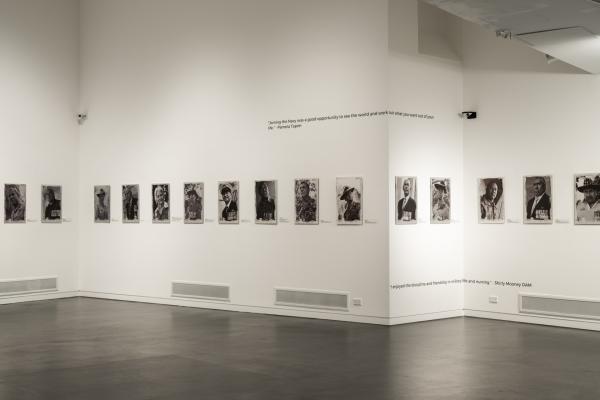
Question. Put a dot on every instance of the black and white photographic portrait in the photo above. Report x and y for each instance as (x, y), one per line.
(15, 203)
(51, 204)
(491, 201)
(131, 203)
(440, 201)
(193, 203)
(265, 193)
(537, 199)
(307, 201)
(161, 201)
(349, 200)
(102, 204)
(587, 199)
(229, 202)
(406, 200)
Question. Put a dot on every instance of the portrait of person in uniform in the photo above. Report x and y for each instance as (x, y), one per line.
(307, 201)
(406, 200)
(440, 201)
(131, 203)
(537, 199)
(193, 203)
(51, 204)
(102, 204)
(15, 203)
(587, 199)
(349, 201)
(491, 201)
(228, 202)
(161, 211)
(265, 193)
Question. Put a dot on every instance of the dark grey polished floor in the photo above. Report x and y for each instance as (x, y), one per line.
(95, 349)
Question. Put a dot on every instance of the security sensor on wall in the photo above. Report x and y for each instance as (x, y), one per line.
(504, 34)
(81, 118)
(468, 114)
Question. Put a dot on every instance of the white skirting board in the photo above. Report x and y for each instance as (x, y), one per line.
(534, 319)
(22, 298)
(226, 306)
(409, 319)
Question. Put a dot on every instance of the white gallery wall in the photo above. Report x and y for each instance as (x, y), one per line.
(182, 91)
(39, 75)
(426, 256)
(534, 118)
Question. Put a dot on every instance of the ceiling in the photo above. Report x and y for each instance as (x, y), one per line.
(564, 29)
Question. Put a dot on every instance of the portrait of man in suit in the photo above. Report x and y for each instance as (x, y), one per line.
(406, 200)
(538, 200)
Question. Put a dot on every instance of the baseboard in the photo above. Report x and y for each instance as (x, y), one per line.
(23, 298)
(409, 319)
(227, 306)
(538, 320)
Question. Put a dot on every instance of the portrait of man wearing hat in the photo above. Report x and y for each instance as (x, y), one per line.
(587, 197)
(193, 197)
(440, 200)
(102, 203)
(228, 207)
(349, 201)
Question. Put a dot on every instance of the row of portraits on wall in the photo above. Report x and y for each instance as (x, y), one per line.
(537, 200)
(349, 202)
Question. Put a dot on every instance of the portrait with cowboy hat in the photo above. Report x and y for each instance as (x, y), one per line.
(102, 204)
(587, 199)
(440, 201)
(349, 202)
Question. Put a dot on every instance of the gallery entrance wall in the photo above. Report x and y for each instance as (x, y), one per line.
(40, 137)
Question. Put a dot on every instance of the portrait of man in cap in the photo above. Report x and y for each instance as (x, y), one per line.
(51, 204)
(491, 201)
(440, 201)
(537, 193)
(102, 204)
(228, 202)
(349, 201)
(193, 195)
(587, 199)
(15, 203)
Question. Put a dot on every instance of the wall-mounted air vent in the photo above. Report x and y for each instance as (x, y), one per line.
(16, 287)
(559, 307)
(195, 290)
(311, 299)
